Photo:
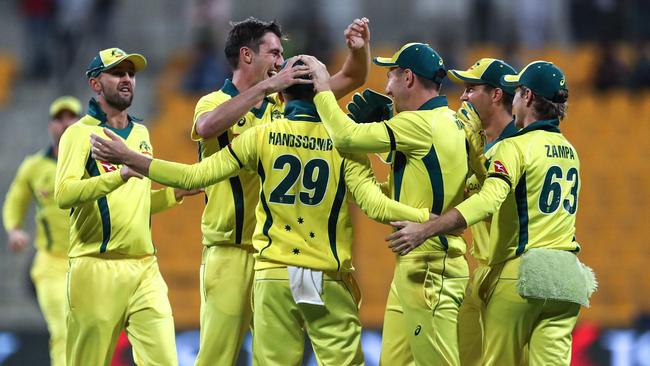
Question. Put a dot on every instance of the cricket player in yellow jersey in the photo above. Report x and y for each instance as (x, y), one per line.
(429, 168)
(113, 278)
(254, 51)
(35, 181)
(490, 116)
(303, 236)
(536, 284)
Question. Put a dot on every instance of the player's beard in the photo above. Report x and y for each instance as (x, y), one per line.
(115, 100)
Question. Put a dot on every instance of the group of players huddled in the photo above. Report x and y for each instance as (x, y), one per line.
(279, 164)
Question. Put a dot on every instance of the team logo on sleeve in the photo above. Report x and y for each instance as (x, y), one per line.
(500, 168)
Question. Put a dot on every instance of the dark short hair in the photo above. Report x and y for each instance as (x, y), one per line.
(506, 99)
(248, 33)
(300, 91)
(547, 109)
(427, 83)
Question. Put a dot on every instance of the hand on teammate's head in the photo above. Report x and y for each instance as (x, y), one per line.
(357, 34)
(319, 74)
(290, 74)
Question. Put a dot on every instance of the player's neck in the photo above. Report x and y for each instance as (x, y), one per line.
(419, 99)
(243, 81)
(114, 117)
(496, 123)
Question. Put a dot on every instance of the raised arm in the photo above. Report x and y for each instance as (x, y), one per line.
(71, 189)
(368, 195)
(354, 71)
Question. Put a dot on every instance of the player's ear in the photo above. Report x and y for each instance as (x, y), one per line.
(95, 85)
(497, 95)
(245, 55)
(409, 77)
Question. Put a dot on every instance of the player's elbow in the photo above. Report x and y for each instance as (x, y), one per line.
(343, 142)
(63, 200)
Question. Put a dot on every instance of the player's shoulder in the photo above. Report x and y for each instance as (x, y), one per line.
(215, 97)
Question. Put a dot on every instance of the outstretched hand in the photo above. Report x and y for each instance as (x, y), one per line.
(113, 150)
(288, 76)
(409, 236)
(180, 193)
(357, 34)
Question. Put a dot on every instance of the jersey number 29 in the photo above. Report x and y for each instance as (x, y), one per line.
(315, 176)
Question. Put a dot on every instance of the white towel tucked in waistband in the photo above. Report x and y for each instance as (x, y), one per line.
(306, 285)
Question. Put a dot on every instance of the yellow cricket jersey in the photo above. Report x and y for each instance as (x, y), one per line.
(305, 186)
(531, 191)
(35, 180)
(481, 229)
(229, 214)
(108, 215)
(429, 162)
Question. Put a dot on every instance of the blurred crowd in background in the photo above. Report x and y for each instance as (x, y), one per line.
(57, 32)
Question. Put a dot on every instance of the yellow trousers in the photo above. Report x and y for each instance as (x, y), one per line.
(420, 322)
(280, 323)
(226, 314)
(105, 296)
(48, 274)
(512, 321)
(470, 320)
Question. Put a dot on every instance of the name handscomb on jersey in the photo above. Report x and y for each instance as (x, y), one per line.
(300, 141)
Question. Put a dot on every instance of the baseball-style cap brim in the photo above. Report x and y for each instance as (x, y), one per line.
(385, 61)
(111, 57)
(139, 62)
(460, 77)
(66, 103)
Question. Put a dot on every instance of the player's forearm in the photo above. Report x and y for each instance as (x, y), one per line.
(484, 203)
(347, 135)
(70, 192)
(206, 173)
(220, 119)
(448, 223)
(353, 73)
(15, 207)
(162, 199)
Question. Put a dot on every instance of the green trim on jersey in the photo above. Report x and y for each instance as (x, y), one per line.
(550, 125)
(334, 214)
(269, 218)
(433, 103)
(300, 110)
(230, 89)
(508, 131)
(102, 204)
(521, 199)
(95, 111)
(237, 193)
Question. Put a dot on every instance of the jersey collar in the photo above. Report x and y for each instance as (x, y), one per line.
(230, 89)
(550, 125)
(95, 111)
(433, 103)
(49, 153)
(508, 131)
(301, 110)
